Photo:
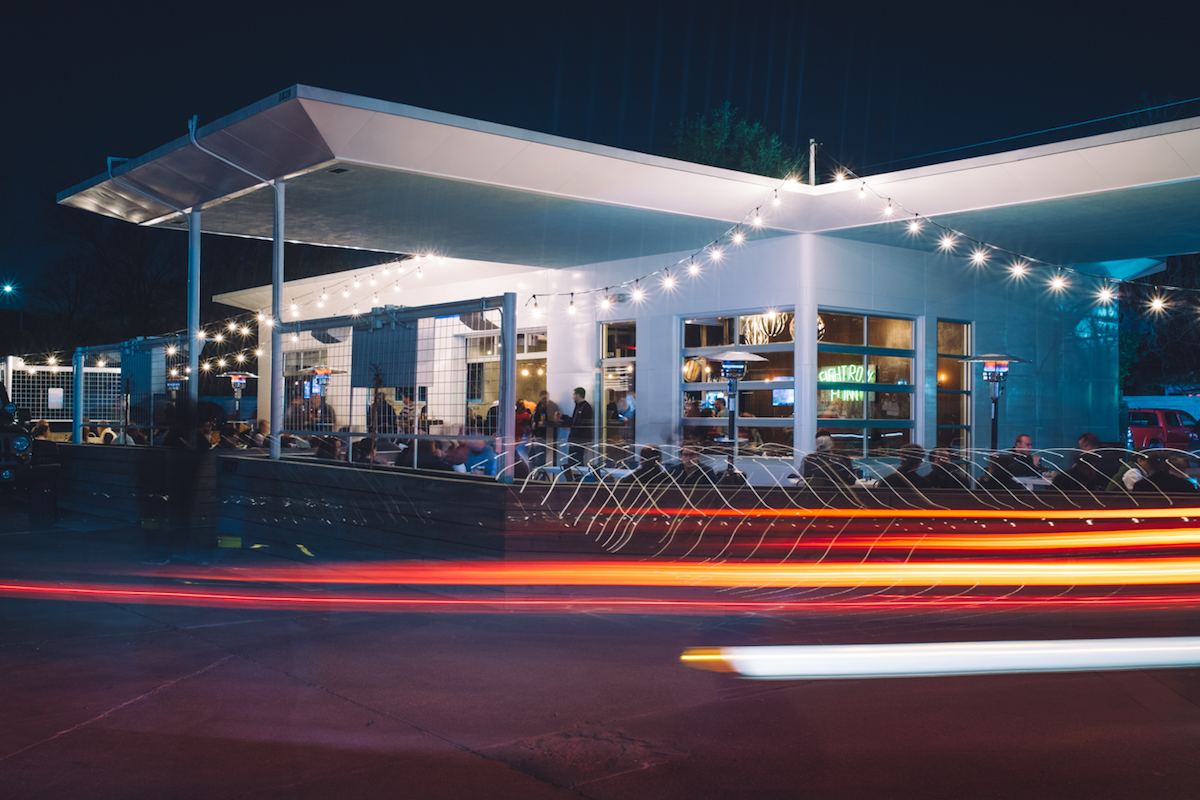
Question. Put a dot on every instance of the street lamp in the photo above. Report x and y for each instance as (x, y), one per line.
(733, 367)
(995, 372)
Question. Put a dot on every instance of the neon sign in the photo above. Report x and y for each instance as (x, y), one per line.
(846, 373)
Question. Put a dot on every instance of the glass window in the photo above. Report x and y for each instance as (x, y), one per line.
(953, 385)
(890, 369)
(620, 340)
(535, 342)
(895, 334)
(772, 327)
(708, 332)
(952, 338)
(840, 328)
(840, 403)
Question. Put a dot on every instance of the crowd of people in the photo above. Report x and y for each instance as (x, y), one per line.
(1092, 468)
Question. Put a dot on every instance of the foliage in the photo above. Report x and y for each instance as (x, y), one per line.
(1160, 351)
(721, 138)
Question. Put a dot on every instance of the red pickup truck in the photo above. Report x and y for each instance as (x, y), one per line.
(1161, 427)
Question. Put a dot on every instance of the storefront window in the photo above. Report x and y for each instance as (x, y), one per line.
(766, 395)
(617, 406)
(953, 385)
(865, 369)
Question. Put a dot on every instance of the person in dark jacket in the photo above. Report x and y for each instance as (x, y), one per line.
(1160, 475)
(824, 468)
(690, 471)
(579, 440)
(944, 473)
(912, 456)
(650, 472)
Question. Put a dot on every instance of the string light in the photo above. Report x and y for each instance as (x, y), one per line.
(715, 253)
(840, 175)
(419, 273)
(537, 312)
(396, 288)
(171, 350)
(669, 280)
(887, 212)
(346, 292)
(241, 357)
(100, 362)
(738, 237)
(372, 280)
(1158, 304)
(914, 226)
(693, 267)
(605, 301)
(324, 295)
(258, 353)
(205, 366)
(1018, 269)
(757, 219)
(52, 361)
(356, 283)
(947, 242)
(571, 308)
(862, 192)
(221, 363)
(246, 329)
(978, 256)
(232, 326)
(218, 337)
(775, 200)
(1058, 283)
(1105, 295)
(638, 294)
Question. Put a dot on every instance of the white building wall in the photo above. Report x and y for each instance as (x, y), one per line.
(1070, 387)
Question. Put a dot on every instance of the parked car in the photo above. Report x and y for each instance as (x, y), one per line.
(1161, 427)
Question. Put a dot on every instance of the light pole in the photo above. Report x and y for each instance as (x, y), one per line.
(995, 372)
(733, 367)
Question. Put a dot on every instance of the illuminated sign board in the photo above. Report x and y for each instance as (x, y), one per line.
(846, 373)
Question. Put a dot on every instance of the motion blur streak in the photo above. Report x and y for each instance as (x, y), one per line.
(1123, 539)
(913, 513)
(792, 662)
(475, 604)
(1044, 572)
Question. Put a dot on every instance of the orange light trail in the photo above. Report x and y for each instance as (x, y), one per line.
(1054, 572)
(911, 513)
(1114, 539)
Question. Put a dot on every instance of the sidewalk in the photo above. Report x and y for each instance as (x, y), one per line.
(105, 700)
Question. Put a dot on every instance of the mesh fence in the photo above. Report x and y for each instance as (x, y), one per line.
(398, 386)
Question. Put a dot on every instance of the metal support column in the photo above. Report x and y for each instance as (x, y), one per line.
(77, 397)
(508, 388)
(277, 322)
(195, 343)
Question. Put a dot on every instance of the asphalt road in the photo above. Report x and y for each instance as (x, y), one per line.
(110, 700)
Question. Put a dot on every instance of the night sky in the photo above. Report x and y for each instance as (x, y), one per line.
(881, 86)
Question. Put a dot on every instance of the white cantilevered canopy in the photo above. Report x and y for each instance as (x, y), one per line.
(380, 176)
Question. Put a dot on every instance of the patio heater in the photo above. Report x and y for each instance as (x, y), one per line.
(733, 367)
(995, 372)
(320, 378)
(238, 379)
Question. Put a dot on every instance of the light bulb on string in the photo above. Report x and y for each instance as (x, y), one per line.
(324, 295)
(693, 267)
(862, 192)
(396, 288)
(978, 256)
(638, 294)
(295, 337)
(537, 312)
(245, 331)
(1058, 283)
(669, 280)
(715, 253)
(261, 316)
(840, 175)
(218, 337)
(605, 300)
(346, 291)
(738, 237)
(357, 283)
(1158, 304)
(914, 226)
(376, 299)
(775, 200)
(320, 304)
(571, 307)
(756, 220)
(258, 353)
(372, 281)
(1018, 269)
(205, 366)
(100, 362)
(354, 311)
(385, 272)
(221, 363)
(171, 350)
(946, 242)
(1105, 295)
(241, 357)
(887, 212)
(419, 273)
(233, 326)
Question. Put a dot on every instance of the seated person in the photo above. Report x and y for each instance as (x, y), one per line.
(912, 456)
(944, 473)
(999, 474)
(41, 431)
(1083, 475)
(824, 468)
(429, 456)
(650, 471)
(689, 471)
(364, 451)
(1161, 475)
(1025, 462)
(481, 457)
(329, 448)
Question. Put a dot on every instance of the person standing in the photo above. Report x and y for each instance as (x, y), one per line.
(579, 437)
(544, 414)
(381, 417)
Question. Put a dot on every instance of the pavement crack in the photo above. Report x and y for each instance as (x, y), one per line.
(115, 709)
